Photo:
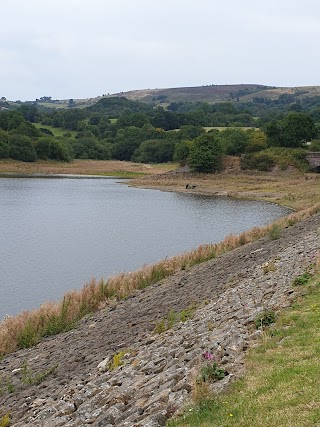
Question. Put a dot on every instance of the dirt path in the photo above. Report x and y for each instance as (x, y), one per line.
(79, 351)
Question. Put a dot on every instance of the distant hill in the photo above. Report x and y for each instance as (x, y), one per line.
(210, 94)
(219, 93)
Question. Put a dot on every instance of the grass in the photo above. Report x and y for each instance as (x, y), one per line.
(172, 318)
(292, 189)
(30, 327)
(57, 131)
(114, 168)
(281, 387)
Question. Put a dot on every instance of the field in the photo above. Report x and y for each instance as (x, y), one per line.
(55, 131)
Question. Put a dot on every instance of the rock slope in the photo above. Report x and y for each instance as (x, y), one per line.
(156, 373)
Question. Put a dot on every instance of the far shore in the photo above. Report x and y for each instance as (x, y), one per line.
(287, 188)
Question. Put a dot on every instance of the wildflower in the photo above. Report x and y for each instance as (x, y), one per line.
(207, 355)
(230, 415)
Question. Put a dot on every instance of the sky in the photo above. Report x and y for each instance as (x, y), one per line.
(85, 48)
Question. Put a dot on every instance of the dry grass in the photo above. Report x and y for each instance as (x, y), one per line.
(30, 327)
(85, 167)
(292, 189)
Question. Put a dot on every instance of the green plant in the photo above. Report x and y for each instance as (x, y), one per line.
(172, 318)
(38, 378)
(211, 372)
(116, 360)
(266, 318)
(10, 386)
(302, 280)
(29, 378)
(275, 232)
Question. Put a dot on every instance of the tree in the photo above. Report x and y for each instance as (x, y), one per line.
(22, 148)
(292, 131)
(234, 141)
(206, 154)
(181, 151)
(155, 151)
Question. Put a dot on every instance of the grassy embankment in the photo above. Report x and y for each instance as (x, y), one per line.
(298, 191)
(281, 387)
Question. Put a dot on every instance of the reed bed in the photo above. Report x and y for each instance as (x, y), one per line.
(29, 327)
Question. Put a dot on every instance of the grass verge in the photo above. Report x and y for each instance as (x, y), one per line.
(28, 328)
(281, 387)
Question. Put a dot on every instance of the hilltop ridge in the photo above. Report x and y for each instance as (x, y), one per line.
(205, 93)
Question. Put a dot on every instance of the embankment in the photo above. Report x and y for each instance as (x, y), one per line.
(58, 382)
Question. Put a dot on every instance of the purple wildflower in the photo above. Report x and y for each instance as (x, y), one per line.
(207, 355)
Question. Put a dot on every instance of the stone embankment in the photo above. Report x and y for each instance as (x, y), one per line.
(156, 374)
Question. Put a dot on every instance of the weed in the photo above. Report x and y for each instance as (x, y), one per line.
(210, 371)
(210, 325)
(116, 360)
(172, 318)
(39, 378)
(266, 318)
(268, 267)
(28, 336)
(10, 386)
(5, 420)
(275, 232)
(302, 280)
(29, 378)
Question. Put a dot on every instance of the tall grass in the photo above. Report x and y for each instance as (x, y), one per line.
(51, 318)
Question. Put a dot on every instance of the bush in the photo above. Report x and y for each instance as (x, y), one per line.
(259, 161)
(22, 148)
(266, 318)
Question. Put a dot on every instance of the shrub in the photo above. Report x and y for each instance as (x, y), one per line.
(259, 161)
(266, 318)
(302, 280)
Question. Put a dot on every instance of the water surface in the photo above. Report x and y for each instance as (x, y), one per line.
(56, 234)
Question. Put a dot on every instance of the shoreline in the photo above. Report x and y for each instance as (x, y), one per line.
(228, 295)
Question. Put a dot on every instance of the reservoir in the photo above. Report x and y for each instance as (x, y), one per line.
(56, 234)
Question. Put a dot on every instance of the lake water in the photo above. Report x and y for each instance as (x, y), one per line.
(55, 234)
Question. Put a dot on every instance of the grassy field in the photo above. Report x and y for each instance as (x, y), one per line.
(281, 387)
(221, 128)
(56, 131)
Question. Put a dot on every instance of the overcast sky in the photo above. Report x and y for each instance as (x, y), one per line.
(84, 48)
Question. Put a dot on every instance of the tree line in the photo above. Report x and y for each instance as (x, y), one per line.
(117, 128)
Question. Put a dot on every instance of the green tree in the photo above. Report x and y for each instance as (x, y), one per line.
(22, 148)
(292, 131)
(155, 151)
(206, 154)
(234, 141)
(182, 151)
